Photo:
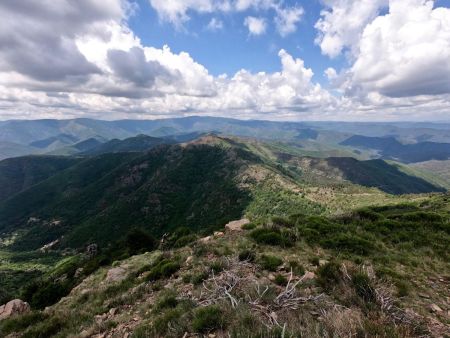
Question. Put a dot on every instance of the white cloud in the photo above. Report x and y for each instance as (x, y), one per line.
(256, 26)
(287, 19)
(405, 52)
(342, 23)
(177, 12)
(215, 24)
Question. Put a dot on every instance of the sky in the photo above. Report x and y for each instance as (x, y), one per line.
(297, 60)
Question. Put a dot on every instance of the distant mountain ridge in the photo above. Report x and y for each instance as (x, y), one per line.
(390, 148)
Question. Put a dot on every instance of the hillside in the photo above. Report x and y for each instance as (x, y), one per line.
(199, 185)
(18, 174)
(361, 274)
(390, 148)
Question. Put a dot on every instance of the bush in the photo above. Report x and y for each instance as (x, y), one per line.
(280, 280)
(296, 268)
(167, 301)
(247, 255)
(44, 329)
(216, 266)
(363, 287)
(403, 288)
(329, 275)
(20, 323)
(184, 240)
(164, 269)
(271, 237)
(282, 222)
(207, 319)
(350, 243)
(249, 226)
(138, 241)
(169, 318)
(42, 293)
(199, 277)
(368, 214)
(270, 263)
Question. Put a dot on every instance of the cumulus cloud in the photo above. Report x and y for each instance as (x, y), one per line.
(256, 26)
(92, 63)
(405, 52)
(177, 12)
(342, 23)
(215, 24)
(287, 19)
(29, 44)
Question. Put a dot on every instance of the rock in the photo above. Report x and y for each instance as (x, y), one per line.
(14, 307)
(205, 239)
(218, 234)
(435, 308)
(271, 277)
(116, 274)
(236, 225)
(308, 275)
(189, 259)
(322, 262)
(112, 311)
(422, 295)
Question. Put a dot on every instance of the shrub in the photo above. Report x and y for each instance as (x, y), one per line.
(169, 318)
(363, 287)
(350, 243)
(42, 293)
(271, 237)
(249, 226)
(282, 222)
(270, 263)
(184, 240)
(296, 268)
(280, 280)
(166, 301)
(403, 288)
(20, 323)
(247, 255)
(44, 329)
(329, 275)
(207, 319)
(216, 266)
(368, 214)
(164, 269)
(199, 277)
(138, 240)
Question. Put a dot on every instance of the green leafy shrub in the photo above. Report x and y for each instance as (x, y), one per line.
(198, 278)
(296, 268)
(166, 301)
(249, 226)
(368, 214)
(208, 318)
(363, 287)
(45, 292)
(270, 263)
(247, 255)
(138, 241)
(403, 288)
(184, 240)
(280, 280)
(350, 243)
(329, 275)
(164, 269)
(217, 266)
(21, 323)
(45, 329)
(271, 236)
(282, 221)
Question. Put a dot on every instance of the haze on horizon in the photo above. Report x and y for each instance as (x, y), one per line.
(369, 60)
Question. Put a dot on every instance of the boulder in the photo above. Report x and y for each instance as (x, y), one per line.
(236, 225)
(13, 307)
(116, 274)
(435, 308)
